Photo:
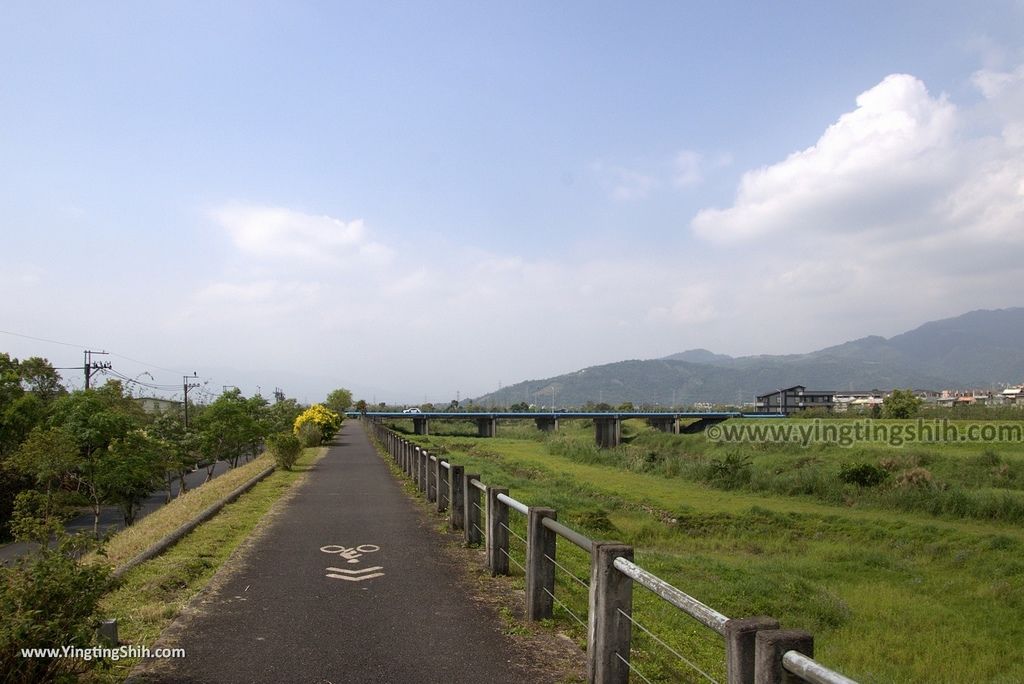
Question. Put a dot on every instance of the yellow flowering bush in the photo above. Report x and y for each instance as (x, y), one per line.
(326, 421)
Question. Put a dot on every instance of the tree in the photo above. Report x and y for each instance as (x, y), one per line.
(49, 457)
(281, 415)
(361, 406)
(27, 388)
(95, 419)
(226, 429)
(339, 400)
(129, 470)
(258, 423)
(182, 448)
(901, 404)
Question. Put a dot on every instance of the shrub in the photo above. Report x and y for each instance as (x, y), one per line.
(285, 448)
(324, 419)
(730, 472)
(595, 520)
(309, 435)
(989, 457)
(919, 478)
(48, 599)
(863, 474)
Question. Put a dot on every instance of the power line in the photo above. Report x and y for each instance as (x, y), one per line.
(43, 339)
(87, 346)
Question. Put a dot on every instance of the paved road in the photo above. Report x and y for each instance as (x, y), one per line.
(280, 617)
(111, 518)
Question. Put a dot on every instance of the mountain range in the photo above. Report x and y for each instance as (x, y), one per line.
(983, 348)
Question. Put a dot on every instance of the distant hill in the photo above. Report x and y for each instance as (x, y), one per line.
(978, 349)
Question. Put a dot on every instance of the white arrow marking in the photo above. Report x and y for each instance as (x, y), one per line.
(351, 575)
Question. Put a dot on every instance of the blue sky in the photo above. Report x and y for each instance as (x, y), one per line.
(420, 199)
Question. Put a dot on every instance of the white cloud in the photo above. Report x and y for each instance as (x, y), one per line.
(687, 169)
(622, 184)
(865, 172)
(284, 234)
(900, 206)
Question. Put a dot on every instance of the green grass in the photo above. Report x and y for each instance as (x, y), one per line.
(891, 593)
(151, 595)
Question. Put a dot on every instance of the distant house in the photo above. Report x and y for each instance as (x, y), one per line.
(857, 399)
(157, 405)
(1012, 396)
(794, 399)
(973, 397)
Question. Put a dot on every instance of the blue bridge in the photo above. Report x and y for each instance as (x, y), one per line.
(607, 425)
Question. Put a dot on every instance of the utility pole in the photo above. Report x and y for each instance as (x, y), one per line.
(89, 366)
(186, 386)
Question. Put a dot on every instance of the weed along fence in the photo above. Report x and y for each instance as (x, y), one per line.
(756, 650)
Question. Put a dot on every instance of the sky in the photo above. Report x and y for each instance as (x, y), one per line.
(419, 201)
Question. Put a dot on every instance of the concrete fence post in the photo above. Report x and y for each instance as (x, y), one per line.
(431, 479)
(457, 513)
(421, 481)
(414, 459)
(423, 461)
(740, 640)
(441, 484)
(106, 633)
(771, 645)
(471, 506)
(540, 564)
(609, 632)
(408, 460)
(497, 532)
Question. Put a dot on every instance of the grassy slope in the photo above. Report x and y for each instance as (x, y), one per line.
(890, 596)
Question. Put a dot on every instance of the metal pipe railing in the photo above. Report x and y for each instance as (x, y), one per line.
(568, 533)
(512, 503)
(704, 614)
(812, 671)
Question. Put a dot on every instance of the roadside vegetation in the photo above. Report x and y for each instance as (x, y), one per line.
(63, 453)
(903, 562)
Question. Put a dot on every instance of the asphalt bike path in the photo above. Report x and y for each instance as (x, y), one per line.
(347, 584)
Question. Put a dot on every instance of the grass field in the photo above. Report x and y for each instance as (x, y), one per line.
(894, 586)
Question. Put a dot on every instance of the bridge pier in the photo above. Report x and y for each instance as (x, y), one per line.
(547, 424)
(608, 432)
(665, 424)
(486, 427)
(420, 426)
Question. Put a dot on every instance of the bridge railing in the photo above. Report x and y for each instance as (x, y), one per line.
(756, 651)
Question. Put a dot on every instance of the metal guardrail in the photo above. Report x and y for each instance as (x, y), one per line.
(608, 625)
